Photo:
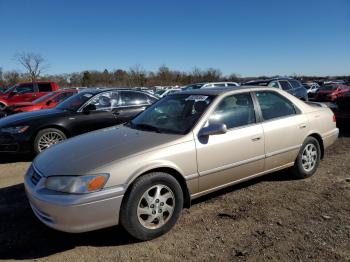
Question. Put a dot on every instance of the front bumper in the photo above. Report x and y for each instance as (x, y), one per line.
(15, 143)
(73, 213)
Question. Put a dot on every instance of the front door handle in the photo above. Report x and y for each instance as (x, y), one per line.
(302, 126)
(254, 139)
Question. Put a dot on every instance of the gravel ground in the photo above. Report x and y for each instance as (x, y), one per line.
(270, 218)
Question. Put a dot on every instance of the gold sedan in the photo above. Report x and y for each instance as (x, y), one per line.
(186, 145)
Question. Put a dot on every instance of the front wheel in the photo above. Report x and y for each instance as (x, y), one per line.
(47, 138)
(152, 206)
(308, 159)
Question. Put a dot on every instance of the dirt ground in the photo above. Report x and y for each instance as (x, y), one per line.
(270, 218)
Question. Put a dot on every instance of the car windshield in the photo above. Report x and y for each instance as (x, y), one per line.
(175, 114)
(43, 98)
(75, 102)
(9, 90)
(328, 87)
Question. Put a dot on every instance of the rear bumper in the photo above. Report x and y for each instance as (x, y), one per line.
(73, 213)
(330, 137)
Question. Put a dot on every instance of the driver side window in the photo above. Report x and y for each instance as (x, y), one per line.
(105, 101)
(24, 89)
(234, 111)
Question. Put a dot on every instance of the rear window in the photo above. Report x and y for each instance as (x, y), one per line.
(45, 87)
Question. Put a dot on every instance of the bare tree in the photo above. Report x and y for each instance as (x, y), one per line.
(11, 77)
(33, 63)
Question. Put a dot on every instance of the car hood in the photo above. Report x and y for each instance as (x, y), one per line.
(23, 118)
(82, 154)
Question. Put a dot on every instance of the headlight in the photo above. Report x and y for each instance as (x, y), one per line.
(77, 184)
(14, 130)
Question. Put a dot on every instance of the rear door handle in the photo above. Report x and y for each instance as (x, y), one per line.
(302, 126)
(254, 139)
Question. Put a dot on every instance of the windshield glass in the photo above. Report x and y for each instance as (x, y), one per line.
(75, 102)
(10, 89)
(43, 98)
(175, 114)
(328, 87)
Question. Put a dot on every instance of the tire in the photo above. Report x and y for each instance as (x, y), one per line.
(50, 135)
(308, 159)
(141, 218)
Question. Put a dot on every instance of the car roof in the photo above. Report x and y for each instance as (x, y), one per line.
(269, 80)
(221, 90)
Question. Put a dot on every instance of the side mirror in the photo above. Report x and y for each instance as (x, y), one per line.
(89, 108)
(49, 102)
(213, 129)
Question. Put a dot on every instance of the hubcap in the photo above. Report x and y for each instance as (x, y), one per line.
(309, 157)
(49, 139)
(156, 207)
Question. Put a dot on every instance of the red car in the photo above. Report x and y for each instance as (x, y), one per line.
(47, 101)
(331, 92)
(26, 92)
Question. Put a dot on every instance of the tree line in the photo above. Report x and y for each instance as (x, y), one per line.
(135, 76)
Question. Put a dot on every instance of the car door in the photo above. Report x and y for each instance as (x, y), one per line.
(237, 154)
(100, 114)
(131, 104)
(23, 93)
(284, 128)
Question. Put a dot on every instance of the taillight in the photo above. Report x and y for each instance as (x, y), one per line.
(334, 119)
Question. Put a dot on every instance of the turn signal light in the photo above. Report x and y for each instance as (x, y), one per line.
(96, 183)
(334, 119)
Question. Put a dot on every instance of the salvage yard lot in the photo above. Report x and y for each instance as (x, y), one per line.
(269, 218)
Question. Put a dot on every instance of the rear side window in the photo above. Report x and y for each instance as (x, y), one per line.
(45, 87)
(274, 105)
(285, 85)
(219, 85)
(295, 84)
(129, 98)
(234, 111)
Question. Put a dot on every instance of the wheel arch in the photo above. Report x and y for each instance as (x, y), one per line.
(35, 133)
(172, 172)
(320, 141)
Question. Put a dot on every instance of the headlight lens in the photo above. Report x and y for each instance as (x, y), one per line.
(14, 129)
(77, 184)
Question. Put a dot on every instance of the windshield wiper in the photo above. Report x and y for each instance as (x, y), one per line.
(145, 127)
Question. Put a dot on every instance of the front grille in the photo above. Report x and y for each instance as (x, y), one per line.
(35, 177)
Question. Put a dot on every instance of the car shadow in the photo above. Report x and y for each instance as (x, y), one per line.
(23, 236)
(14, 158)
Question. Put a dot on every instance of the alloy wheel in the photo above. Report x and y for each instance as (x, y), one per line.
(156, 207)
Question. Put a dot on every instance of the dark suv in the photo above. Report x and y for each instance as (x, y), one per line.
(290, 85)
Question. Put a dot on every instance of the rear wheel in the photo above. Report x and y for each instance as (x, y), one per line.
(308, 158)
(152, 206)
(47, 138)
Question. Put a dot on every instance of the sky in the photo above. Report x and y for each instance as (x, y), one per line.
(247, 37)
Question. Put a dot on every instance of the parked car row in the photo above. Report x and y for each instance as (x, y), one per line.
(141, 174)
